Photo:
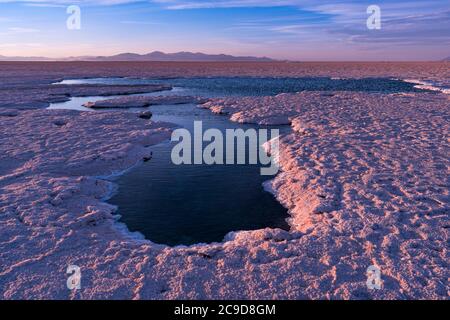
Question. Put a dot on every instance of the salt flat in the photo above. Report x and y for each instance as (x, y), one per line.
(365, 177)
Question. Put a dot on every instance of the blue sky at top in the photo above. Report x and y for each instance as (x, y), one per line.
(285, 29)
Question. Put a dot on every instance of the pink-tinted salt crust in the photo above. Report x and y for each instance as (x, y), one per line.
(365, 177)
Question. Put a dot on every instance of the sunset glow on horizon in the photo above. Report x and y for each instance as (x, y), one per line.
(285, 29)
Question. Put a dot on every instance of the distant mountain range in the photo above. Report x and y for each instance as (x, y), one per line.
(152, 56)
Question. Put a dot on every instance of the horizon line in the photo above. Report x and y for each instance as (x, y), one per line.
(87, 57)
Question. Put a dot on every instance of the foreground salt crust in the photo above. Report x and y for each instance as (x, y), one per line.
(364, 177)
(369, 167)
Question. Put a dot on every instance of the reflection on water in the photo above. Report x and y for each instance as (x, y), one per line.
(189, 204)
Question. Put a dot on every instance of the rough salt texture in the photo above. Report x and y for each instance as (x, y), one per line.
(368, 172)
(365, 177)
(142, 101)
(366, 183)
(28, 95)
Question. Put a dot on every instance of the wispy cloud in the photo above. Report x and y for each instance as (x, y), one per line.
(208, 4)
(424, 29)
(45, 5)
(137, 22)
(72, 2)
(403, 23)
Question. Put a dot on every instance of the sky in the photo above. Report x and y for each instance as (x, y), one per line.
(304, 30)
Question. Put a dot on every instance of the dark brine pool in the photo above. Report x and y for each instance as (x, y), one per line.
(187, 204)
